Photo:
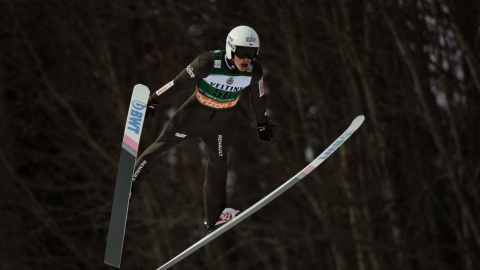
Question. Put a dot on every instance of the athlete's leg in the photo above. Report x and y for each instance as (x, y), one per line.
(151, 156)
(217, 143)
(184, 126)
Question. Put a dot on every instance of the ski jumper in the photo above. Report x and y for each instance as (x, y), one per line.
(209, 115)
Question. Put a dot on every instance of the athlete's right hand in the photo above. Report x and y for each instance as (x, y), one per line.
(265, 132)
(151, 106)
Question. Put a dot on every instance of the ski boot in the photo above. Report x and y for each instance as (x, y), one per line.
(227, 215)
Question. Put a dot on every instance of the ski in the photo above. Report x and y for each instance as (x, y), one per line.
(126, 165)
(357, 122)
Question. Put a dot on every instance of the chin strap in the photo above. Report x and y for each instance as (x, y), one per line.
(231, 66)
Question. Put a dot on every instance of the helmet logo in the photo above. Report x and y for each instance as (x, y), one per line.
(230, 44)
(250, 39)
(230, 80)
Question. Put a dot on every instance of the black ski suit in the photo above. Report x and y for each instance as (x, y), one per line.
(209, 114)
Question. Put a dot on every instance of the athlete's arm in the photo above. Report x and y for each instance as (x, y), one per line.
(200, 67)
(257, 94)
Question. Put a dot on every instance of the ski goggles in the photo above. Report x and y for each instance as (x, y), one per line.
(244, 52)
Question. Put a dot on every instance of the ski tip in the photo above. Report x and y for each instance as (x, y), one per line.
(357, 122)
(360, 117)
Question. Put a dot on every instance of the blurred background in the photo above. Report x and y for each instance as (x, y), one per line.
(401, 193)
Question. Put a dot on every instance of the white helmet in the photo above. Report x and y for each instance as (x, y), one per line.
(242, 41)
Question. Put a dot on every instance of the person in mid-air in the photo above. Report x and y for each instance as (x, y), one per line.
(218, 78)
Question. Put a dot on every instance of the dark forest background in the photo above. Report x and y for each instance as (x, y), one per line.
(401, 193)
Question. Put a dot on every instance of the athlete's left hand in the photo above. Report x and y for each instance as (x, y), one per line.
(151, 107)
(265, 132)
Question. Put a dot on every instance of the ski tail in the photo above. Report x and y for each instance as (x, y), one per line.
(128, 155)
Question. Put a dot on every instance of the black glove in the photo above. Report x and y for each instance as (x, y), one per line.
(151, 106)
(265, 132)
